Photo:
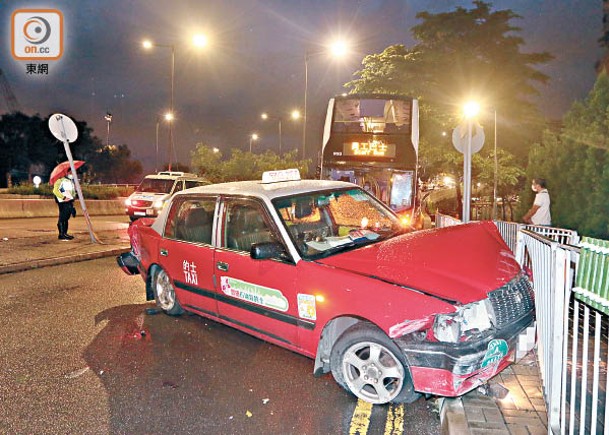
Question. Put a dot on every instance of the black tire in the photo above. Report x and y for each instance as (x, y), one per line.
(164, 293)
(365, 362)
(133, 218)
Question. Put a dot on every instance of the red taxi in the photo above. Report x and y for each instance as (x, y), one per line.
(326, 270)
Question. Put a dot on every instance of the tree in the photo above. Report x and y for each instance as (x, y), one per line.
(461, 55)
(575, 162)
(28, 148)
(113, 164)
(206, 161)
(242, 165)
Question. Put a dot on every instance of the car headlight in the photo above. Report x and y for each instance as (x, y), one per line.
(158, 204)
(466, 321)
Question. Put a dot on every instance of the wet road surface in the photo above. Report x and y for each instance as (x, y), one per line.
(80, 355)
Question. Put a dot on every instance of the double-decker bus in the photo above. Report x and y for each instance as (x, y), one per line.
(372, 140)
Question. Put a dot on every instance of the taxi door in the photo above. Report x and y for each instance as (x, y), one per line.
(258, 296)
(187, 255)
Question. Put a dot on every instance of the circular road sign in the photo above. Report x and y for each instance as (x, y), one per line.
(460, 138)
(63, 128)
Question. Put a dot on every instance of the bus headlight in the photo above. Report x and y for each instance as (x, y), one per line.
(128, 202)
(463, 323)
(158, 204)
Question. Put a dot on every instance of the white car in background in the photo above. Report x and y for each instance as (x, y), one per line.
(154, 190)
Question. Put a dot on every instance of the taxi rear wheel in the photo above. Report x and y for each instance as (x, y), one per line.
(367, 363)
(164, 293)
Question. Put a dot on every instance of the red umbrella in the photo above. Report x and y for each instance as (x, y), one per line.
(62, 169)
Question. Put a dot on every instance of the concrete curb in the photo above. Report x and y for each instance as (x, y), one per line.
(453, 420)
(36, 264)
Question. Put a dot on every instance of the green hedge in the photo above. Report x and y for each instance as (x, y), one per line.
(89, 191)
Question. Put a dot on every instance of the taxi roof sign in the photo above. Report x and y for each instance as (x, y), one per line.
(282, 175)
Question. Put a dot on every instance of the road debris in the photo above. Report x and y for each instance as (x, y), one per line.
(77, 373)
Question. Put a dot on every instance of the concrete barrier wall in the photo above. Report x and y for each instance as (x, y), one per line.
(24, 207)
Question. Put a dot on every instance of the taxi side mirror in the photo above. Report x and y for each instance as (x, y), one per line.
(266, 250)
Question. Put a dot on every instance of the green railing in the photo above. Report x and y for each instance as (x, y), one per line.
(592, 280)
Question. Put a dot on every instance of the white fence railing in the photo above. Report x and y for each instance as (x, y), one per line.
(571, 297)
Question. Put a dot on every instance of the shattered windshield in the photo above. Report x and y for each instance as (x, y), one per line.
(324, 223)
(155, 185)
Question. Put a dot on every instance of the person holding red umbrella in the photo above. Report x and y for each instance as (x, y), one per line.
(64, 191)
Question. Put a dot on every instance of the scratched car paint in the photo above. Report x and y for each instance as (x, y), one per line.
(324, 269)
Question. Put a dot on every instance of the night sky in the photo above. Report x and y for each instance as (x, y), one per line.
(253, 63)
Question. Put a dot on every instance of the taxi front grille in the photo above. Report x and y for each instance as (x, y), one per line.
(512, 302)
(141, 203)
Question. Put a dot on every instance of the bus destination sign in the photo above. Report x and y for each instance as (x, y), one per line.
(373, 148)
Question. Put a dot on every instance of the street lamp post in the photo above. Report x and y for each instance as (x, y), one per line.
(253, 137)
(294, 115)
(496, 171)
(266, 116)
(337, 49)
(304, 115)
(108, 118)
(156, 155)
(198, 40)
(470, 110)
(148, 45)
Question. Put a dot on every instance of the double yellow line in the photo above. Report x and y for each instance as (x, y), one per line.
(360, 421)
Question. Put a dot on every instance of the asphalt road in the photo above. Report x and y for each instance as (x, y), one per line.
(79, 355)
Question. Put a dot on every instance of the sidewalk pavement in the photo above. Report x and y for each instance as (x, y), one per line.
(511, 403)
(32, 242)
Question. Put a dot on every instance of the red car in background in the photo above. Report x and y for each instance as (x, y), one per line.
(326, 270)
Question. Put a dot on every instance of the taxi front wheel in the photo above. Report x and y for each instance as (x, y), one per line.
(367, 363)
(164, 293)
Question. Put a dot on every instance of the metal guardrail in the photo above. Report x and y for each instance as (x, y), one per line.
(571, 285)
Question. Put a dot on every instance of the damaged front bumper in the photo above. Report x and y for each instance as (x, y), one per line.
(453, 369)
(129, 263)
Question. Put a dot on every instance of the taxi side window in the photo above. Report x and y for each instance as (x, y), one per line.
(194, 183)
(170, 225)
(246, 224)
(194, 220)
(178, 186)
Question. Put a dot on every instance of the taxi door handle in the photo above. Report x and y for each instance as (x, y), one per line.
(164, 252)
(222, 266)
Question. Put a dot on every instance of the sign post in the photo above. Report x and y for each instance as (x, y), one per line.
(468, 142)
(64, 129)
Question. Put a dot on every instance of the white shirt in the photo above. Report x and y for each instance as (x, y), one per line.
(542, 215)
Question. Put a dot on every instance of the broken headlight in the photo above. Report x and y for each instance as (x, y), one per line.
(464, 323)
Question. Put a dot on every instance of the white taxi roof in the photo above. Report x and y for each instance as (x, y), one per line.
(267, 190)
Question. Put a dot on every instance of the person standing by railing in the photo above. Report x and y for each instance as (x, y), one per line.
(539, 213)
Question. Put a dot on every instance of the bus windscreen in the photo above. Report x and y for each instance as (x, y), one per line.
(371, 116)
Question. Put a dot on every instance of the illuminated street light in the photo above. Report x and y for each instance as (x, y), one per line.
(295, 115)
(471, 109)
(108, 118)
(337, 49)
(199, 40)
(168, 117)
(253, 137)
